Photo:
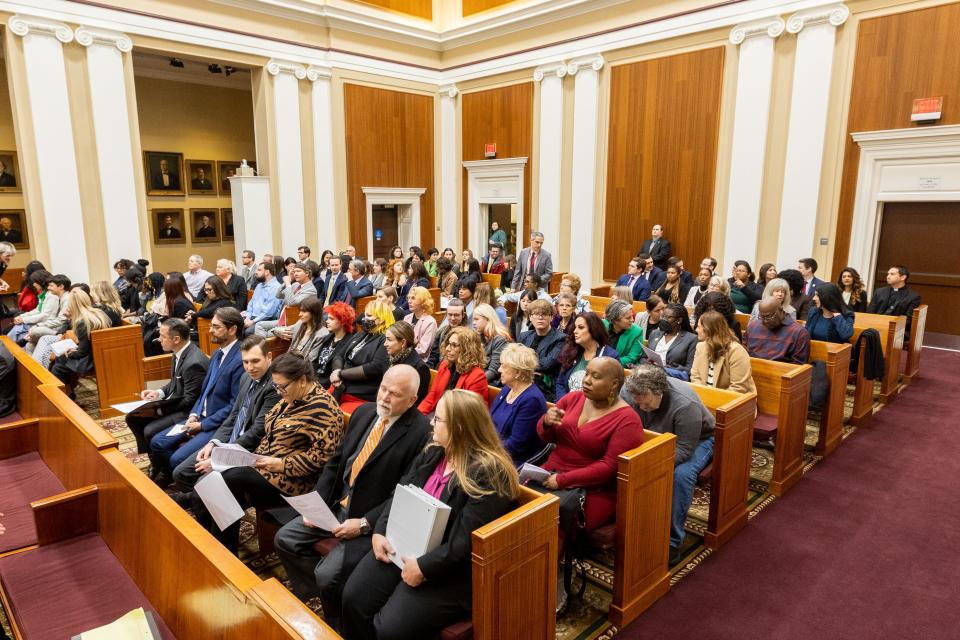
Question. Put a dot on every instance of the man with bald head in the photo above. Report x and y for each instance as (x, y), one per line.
(381, 441)
(776, 336)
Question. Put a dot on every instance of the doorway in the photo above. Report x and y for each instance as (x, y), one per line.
(504, 215)
(924, 236)
(386, 234)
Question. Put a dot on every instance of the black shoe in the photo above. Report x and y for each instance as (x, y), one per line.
(676, 555)
(183, 500)
(163, 479)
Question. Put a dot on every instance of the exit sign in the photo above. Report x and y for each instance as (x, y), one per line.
(927, 109)
(490, 150)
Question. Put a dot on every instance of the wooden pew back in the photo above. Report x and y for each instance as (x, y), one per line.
(117, 362)
(292, 313)
(918, 324)
(361, 303)
(602, 291)
(599, 304)
(555, 279)
(837, 359)
(891, 329)
(492, 279)
(30, 375)
(203, 334)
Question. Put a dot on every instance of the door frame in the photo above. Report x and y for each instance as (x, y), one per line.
(497, 181)
(407, 201)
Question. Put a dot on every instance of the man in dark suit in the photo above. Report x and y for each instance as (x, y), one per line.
(187, 371)
(356, 483)
(657, 247)
(167, 179)
(896, 299)
(168, 230)
(651, 273)
(357, 283)
(493, 261)
(244, 425)
(8, 233)
(533, 259)
(206, 230)
(634, 279)
(334, 288)
(807, 267)
(220, 388)
(6, 178)
(201, 182)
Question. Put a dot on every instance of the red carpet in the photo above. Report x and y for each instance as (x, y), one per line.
(866, 545)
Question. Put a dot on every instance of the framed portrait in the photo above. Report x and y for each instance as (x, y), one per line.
(168, 226)
(9, 172)
(205, 225)
(164, 173)
(226, 217)
(227, 169)
(201, 177)
(13, 228)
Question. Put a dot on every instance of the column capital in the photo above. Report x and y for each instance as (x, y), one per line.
(448, 90)
(88, 37)
(23, 25)
(771, 27)
(276, 67)
(551, 69)
(315, 72)
(835, 15)
(594, 62)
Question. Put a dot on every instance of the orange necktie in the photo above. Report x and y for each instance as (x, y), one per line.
(372, 441)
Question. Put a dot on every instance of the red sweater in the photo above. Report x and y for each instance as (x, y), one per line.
(474, 380)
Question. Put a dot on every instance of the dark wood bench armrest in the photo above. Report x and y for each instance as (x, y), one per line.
(66, 515)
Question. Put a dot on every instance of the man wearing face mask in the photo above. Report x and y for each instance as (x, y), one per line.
(776, 336)
(674, 341)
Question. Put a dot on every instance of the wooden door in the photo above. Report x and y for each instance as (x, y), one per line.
(925, 237)
(386, 232)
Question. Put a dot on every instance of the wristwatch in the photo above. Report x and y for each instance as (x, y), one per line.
(364, 527)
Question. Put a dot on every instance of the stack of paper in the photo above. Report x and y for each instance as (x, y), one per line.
(312, 507)
(417, 522)
(218, 499)
(62, 346)
(533, 472)
(225, 456)
(136, 625)
(130, 407)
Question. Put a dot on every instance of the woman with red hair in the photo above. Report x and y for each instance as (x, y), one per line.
(340, 319)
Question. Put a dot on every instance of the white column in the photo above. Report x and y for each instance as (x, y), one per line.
(53, 142)
(752, 111)
(550, 154)
(449, 213)
(815, 31)
(586, 103)
(252, 222)
(288, 172)
(115, 161)
(327, 223)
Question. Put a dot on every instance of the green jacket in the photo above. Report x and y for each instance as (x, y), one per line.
(629, 345)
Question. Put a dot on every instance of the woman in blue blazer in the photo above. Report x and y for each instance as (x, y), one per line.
(519, 405)
(829, 319)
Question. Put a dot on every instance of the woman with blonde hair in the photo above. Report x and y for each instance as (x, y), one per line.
(484, 295)
(623, 292)
(84, 320)
(494, 337)
(520, 404)
(461, 368)
(105, 297)
(720, 360)
(420, 303)
(467, 469)
(358, 371)
(718, 283)
(570, 284)
(780, 289)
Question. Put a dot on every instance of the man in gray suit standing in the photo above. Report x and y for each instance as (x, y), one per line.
(533, 259)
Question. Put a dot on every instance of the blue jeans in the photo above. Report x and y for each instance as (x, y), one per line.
(684, 482)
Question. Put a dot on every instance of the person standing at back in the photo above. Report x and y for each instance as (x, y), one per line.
(534, 259)
(657, 247)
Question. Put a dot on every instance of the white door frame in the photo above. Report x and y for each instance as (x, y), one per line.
(497, 181)
(920, 164)
(407, 200)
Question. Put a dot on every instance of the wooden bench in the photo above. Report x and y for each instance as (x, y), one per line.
(783, 394)
(830, 420)
(599, 304)
(553, 288)
(117, 354)
(891, 329)
(732, 456)
(492, 279)
(30, 375)
(361, 303)
(602, 291)
(918, 323)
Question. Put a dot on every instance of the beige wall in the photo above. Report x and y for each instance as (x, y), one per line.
(8, 142)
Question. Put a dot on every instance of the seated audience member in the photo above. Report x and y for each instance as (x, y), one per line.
(462, 367)
(779, 289)
(446, 278)
(674, 341)
(388, 297)
(466, 295)
(396, 274)
(591, 428)
(649, 320)
(301, 433)
(622, 292)
(494, 337)
(358, 285)
(830, 320)
(722, 304)
(420, 304)
(493, 261)
(667, 405)
(719, 284)
(709, 263)
(673, 290)
(8, 382)
(774, 336)
(235, 285)
(416, 277)
(121, 266)
(469, 272)
(294, 288)
(623, 336)
(219, 391)
(358, 371)
(340, 320)
(743, 290)
(433, 254)
(130, 294)
(484, 295)
(58, 290)
(248, 266)
(466, 469)
(465, 257)
(84, 320)
(546, 341)
(215, 297)
(455, 316)
(570, 283)
(399, 343)
(506, 278)
(245, 423)
(150, 292)
(700, 287)
(47, 306)
(896, 299)
(531, 282)
(175, 302)
(303, 253)
(566, 313)
(309, 331)
(685, 276)
(852, 290)
(378, 273)
(264, 305)
(382, 440)
(588, 341)
(520, 321)
(633, 278)
(651, 273)
(519, 405)
(720, 361)
(798, 299)
(807, 268)
(766, 273)
(195, 275)
(332, 287)
(105, 298)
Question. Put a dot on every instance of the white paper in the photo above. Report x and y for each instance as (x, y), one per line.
(62, 346)
(130, 407)
(533, 472)
(312, 507)
(417, 522)
(218, 499)
(653, 356)
(444, 300)
(227, 456)
(177, 429)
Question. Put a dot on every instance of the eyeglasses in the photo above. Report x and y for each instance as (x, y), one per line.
(455, 345)
(281, 388)
(435, 419)
(539, 315)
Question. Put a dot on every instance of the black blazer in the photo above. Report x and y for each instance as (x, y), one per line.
(252, 429)
(885, 303)
(681, 351)
(376, 480)
(660, 255)
(186, 381)
(362, 370)
(451, 561)
(325, 368)
(413, 359)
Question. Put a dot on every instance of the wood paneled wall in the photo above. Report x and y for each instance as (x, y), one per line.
(662, 155)
(899, 57)
(504, 116)
(471, 7)
(389, 136)
(419, 8)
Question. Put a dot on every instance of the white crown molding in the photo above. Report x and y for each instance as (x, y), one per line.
(23, 25)
(405, 193)
(893, 138)
(495, 165)
(558, 69)
(835, 15)
(315, 72)
(276, 67)
(448, 91)
(770, 28)
(594, 62)
(89, 37)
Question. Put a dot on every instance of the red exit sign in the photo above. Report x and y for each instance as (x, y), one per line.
(490, 150)
(927, 109)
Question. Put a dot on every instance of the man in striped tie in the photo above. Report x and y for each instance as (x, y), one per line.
(380, 442)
